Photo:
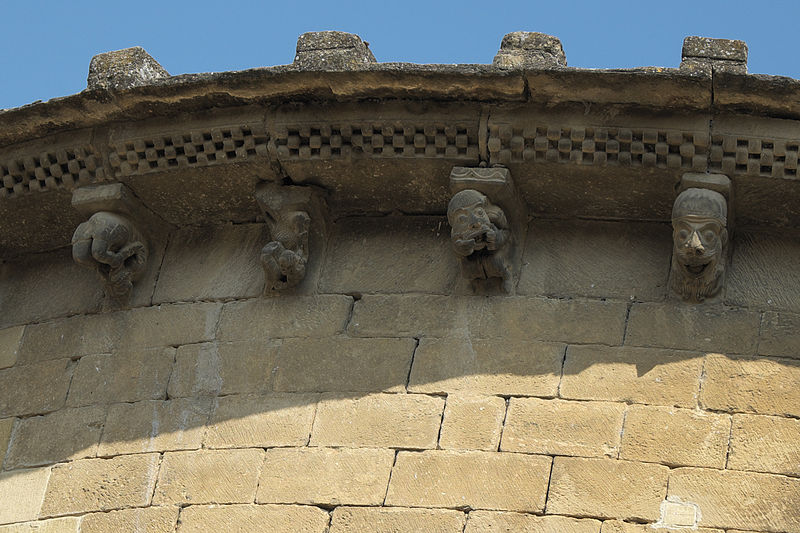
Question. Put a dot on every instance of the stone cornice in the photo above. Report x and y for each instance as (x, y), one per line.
(383, 137)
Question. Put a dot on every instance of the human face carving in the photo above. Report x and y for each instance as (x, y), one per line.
(698, 244)
(472, 223)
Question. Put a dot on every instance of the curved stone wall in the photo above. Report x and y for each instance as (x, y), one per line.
(386, 391)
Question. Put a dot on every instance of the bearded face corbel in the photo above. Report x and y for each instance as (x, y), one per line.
(481, 237)
(700, 238)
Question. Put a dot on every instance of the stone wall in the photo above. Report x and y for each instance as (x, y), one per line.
(383, 395)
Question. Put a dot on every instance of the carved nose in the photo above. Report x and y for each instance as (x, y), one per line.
(695, 244)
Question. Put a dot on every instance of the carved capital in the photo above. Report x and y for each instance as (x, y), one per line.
(110, 241)
(288, 211)
(700, 236)
(486, 219)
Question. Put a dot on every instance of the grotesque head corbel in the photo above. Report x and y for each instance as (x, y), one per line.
(700, 238)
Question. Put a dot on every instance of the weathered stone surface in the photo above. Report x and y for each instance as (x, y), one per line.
(69, 338)
(378, 420)
(607, 488)
(762, 272)
(506, 367)
(637, 375)
(9, 345)
(500, 522)
(396, 520)
(126, 376)
(149, 520)
(528, 49)
(325, 476)
(6, 425)
(765, 444)
(480, 480)
(558, 427)
(331, 50)
(693, 328)
(22, 493)
(780, 335)
(208, 263)
(266, 318)
(248, 518)
(754, 385)
(124, 69)
(56, 525)
(263, 421)
(582, 321)
(154, 426)
(34, 389)
(411, 315)
(100, 485)
(64, 435)
(209, 369)
(208, 476)
(618, 260)
(168, 325)
(388, 254)
(723, 49)
(43, 286)
(343, 364)
(743, 500)
(675, 436)
(472, 422)
(615, 526)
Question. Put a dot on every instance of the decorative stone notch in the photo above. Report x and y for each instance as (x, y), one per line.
(486, 217)
(700, 237)
(289, 211)
(111, 241)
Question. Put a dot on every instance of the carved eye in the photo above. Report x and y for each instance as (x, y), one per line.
(683, 234)
(480, 212)
(462, 219)
(709, 235)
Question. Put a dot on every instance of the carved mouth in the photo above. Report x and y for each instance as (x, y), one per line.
(696, 269)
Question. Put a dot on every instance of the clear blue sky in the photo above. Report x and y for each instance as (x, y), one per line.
(46, 45)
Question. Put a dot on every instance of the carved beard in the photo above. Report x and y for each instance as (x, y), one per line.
(693, 288)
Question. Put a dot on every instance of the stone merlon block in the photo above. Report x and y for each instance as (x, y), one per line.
(717, 49)
(124, 69)
(331, 50)
(527, 49)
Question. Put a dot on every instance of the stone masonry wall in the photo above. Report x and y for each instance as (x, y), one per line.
(386, 397)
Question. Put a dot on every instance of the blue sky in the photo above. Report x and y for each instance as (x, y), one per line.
(46, 45)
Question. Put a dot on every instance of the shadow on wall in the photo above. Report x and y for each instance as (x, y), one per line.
(382, 370)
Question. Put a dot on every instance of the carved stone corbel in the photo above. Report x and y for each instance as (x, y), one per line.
(289, 211)
(700, 234)
(111, 241)
(487, 220)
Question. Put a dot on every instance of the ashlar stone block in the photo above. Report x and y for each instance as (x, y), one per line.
(64, 435)
(242, 421)
(9, 345)
(765, 444)
(503, 522)
(633, 375)
(208, 476)
(396, 520)
(325, 476)
(472, 422)
(558, 427)
(146, 520)
(34, 389)
(91, 485)
(479, 480)
(580, 487)
(505, 367)
(247, 518)
(409, 421)
(22, 493)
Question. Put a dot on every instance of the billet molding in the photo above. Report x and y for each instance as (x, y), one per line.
(41, 170)
(700, 236)
(111, 242)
